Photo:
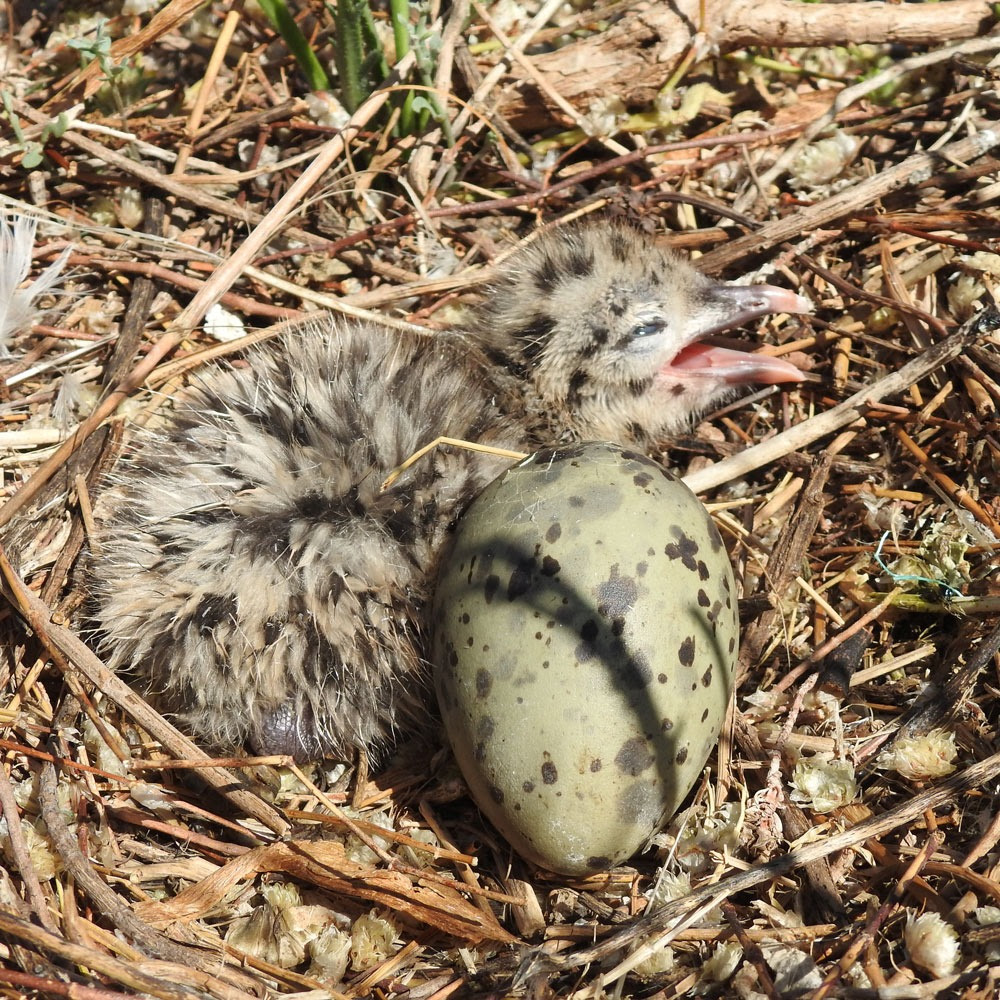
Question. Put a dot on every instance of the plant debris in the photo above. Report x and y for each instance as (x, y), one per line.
(173, 192)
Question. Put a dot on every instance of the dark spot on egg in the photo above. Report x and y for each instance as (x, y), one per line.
(496, 794)
(685, 653)
(703, 572)
(634, 757)
(703, 599)
(576, 502)
(642, 479)
(520, 579)
(553, 532)
(682, 755)
(484, 682)
(599, 862)
(595, 765)
(490, 588)
(617, 595)
(550, 566)
(585, 650)
(549, 773)
(528, 787)
(684, 548)
(706, 677)
(667, 724)
(641, 568)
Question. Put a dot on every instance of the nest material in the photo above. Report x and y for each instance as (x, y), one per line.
(845, 839)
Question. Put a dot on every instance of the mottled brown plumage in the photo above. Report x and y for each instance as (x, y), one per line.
(251, 574)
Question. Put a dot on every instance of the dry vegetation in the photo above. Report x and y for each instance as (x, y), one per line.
(856, 787)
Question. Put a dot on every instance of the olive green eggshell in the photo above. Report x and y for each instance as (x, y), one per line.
(584, 640)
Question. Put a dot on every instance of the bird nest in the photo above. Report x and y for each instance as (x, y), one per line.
(844, 841)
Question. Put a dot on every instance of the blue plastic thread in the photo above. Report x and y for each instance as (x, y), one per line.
(950, 591)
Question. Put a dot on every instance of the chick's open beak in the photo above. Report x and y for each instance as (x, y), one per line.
(722, 307)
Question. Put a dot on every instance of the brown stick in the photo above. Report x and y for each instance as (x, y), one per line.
(64, 647)
(208, 294)
(974, 777)
(797, 437)
(909, 173)
(636, 56)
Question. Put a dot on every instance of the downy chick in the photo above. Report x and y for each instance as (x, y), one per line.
(251, 573)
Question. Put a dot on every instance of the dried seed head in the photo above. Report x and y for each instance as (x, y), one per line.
(918, 758)
(932, 944)
(824, 785)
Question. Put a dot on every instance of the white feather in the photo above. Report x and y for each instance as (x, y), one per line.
(17, 304)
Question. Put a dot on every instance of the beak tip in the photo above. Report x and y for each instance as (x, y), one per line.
(783, 300)
(803, 305)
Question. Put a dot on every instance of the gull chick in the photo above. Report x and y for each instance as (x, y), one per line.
(251, 573)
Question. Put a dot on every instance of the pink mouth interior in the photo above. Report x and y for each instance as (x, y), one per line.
(732, 367)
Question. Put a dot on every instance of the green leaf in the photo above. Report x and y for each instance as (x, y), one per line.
(350, 53)
(278, 14)
(421, 103)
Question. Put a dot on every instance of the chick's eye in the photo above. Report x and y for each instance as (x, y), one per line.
(649, 328)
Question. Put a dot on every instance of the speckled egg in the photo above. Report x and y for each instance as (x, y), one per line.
(584, 642)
